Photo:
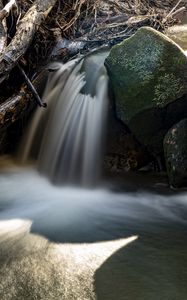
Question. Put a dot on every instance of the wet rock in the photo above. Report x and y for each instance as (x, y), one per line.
(123, 152)
(175, 148)
(148, 74)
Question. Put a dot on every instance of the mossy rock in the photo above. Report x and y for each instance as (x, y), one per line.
(175, 149)
(147, 72)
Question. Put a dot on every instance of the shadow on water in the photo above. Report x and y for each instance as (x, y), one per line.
(152, 267)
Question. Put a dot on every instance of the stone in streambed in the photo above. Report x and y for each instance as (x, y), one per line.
(175, 149)
(148, 71)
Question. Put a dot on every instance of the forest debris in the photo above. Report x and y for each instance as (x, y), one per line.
(17, 105)
(10, 6)
(3, 32)
(14, 107)
(32, 88)
(77, 8)
(179, 11)
(25, 32)
(173, 11)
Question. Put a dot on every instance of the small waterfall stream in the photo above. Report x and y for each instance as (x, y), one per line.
(67, 140)
(64, 242)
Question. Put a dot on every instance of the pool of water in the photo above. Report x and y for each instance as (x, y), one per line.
(72, 243)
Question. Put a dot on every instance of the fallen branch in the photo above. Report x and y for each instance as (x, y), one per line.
(32, 88)
(25, 32)
(178, 12)
(3, 32)
(18, 104)
(103, 20)
(172, 12)
(13, 108)
(10, 6)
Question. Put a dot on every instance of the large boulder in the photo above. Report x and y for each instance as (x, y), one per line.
(175, 149)
(148, 72)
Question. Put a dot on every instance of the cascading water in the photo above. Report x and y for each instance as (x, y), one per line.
(67, 140)
(60, 242)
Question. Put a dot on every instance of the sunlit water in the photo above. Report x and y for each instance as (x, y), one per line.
(89, 244)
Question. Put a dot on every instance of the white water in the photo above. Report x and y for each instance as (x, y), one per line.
(76, 214)
(67, 140)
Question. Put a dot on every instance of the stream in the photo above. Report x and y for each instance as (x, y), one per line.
(65, 234)
(75, 243)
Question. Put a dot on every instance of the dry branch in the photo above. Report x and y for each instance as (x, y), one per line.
(10, 6)
(3, 32)
(18, 104)
(13, 108)
(25, 32)
(32, 88)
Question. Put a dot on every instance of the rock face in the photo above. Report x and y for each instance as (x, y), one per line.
(175, 149)
(123, 153)
(148, 72)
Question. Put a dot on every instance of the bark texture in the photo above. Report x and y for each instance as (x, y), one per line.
(25, 32)
(14, 107)
(3, 32)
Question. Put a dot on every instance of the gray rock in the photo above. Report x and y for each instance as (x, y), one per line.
(175, 149)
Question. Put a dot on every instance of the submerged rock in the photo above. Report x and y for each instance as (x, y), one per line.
(175, 148)
(148, 71)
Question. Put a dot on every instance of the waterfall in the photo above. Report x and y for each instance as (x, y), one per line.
(67, 139)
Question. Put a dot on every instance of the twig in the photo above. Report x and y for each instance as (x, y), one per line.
(178, 11)
(171, 12)
(77, 8)
(32, 88)
(17, 105)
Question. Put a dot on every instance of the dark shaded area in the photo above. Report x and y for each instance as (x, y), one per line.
(151, 126)
(152, 267)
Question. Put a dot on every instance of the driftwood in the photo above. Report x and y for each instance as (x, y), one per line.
(13, 108)
(10, 6)
(3, 32)
(32, 88)
(25, 32)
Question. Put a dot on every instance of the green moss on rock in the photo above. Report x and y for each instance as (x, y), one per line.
(147, 72)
